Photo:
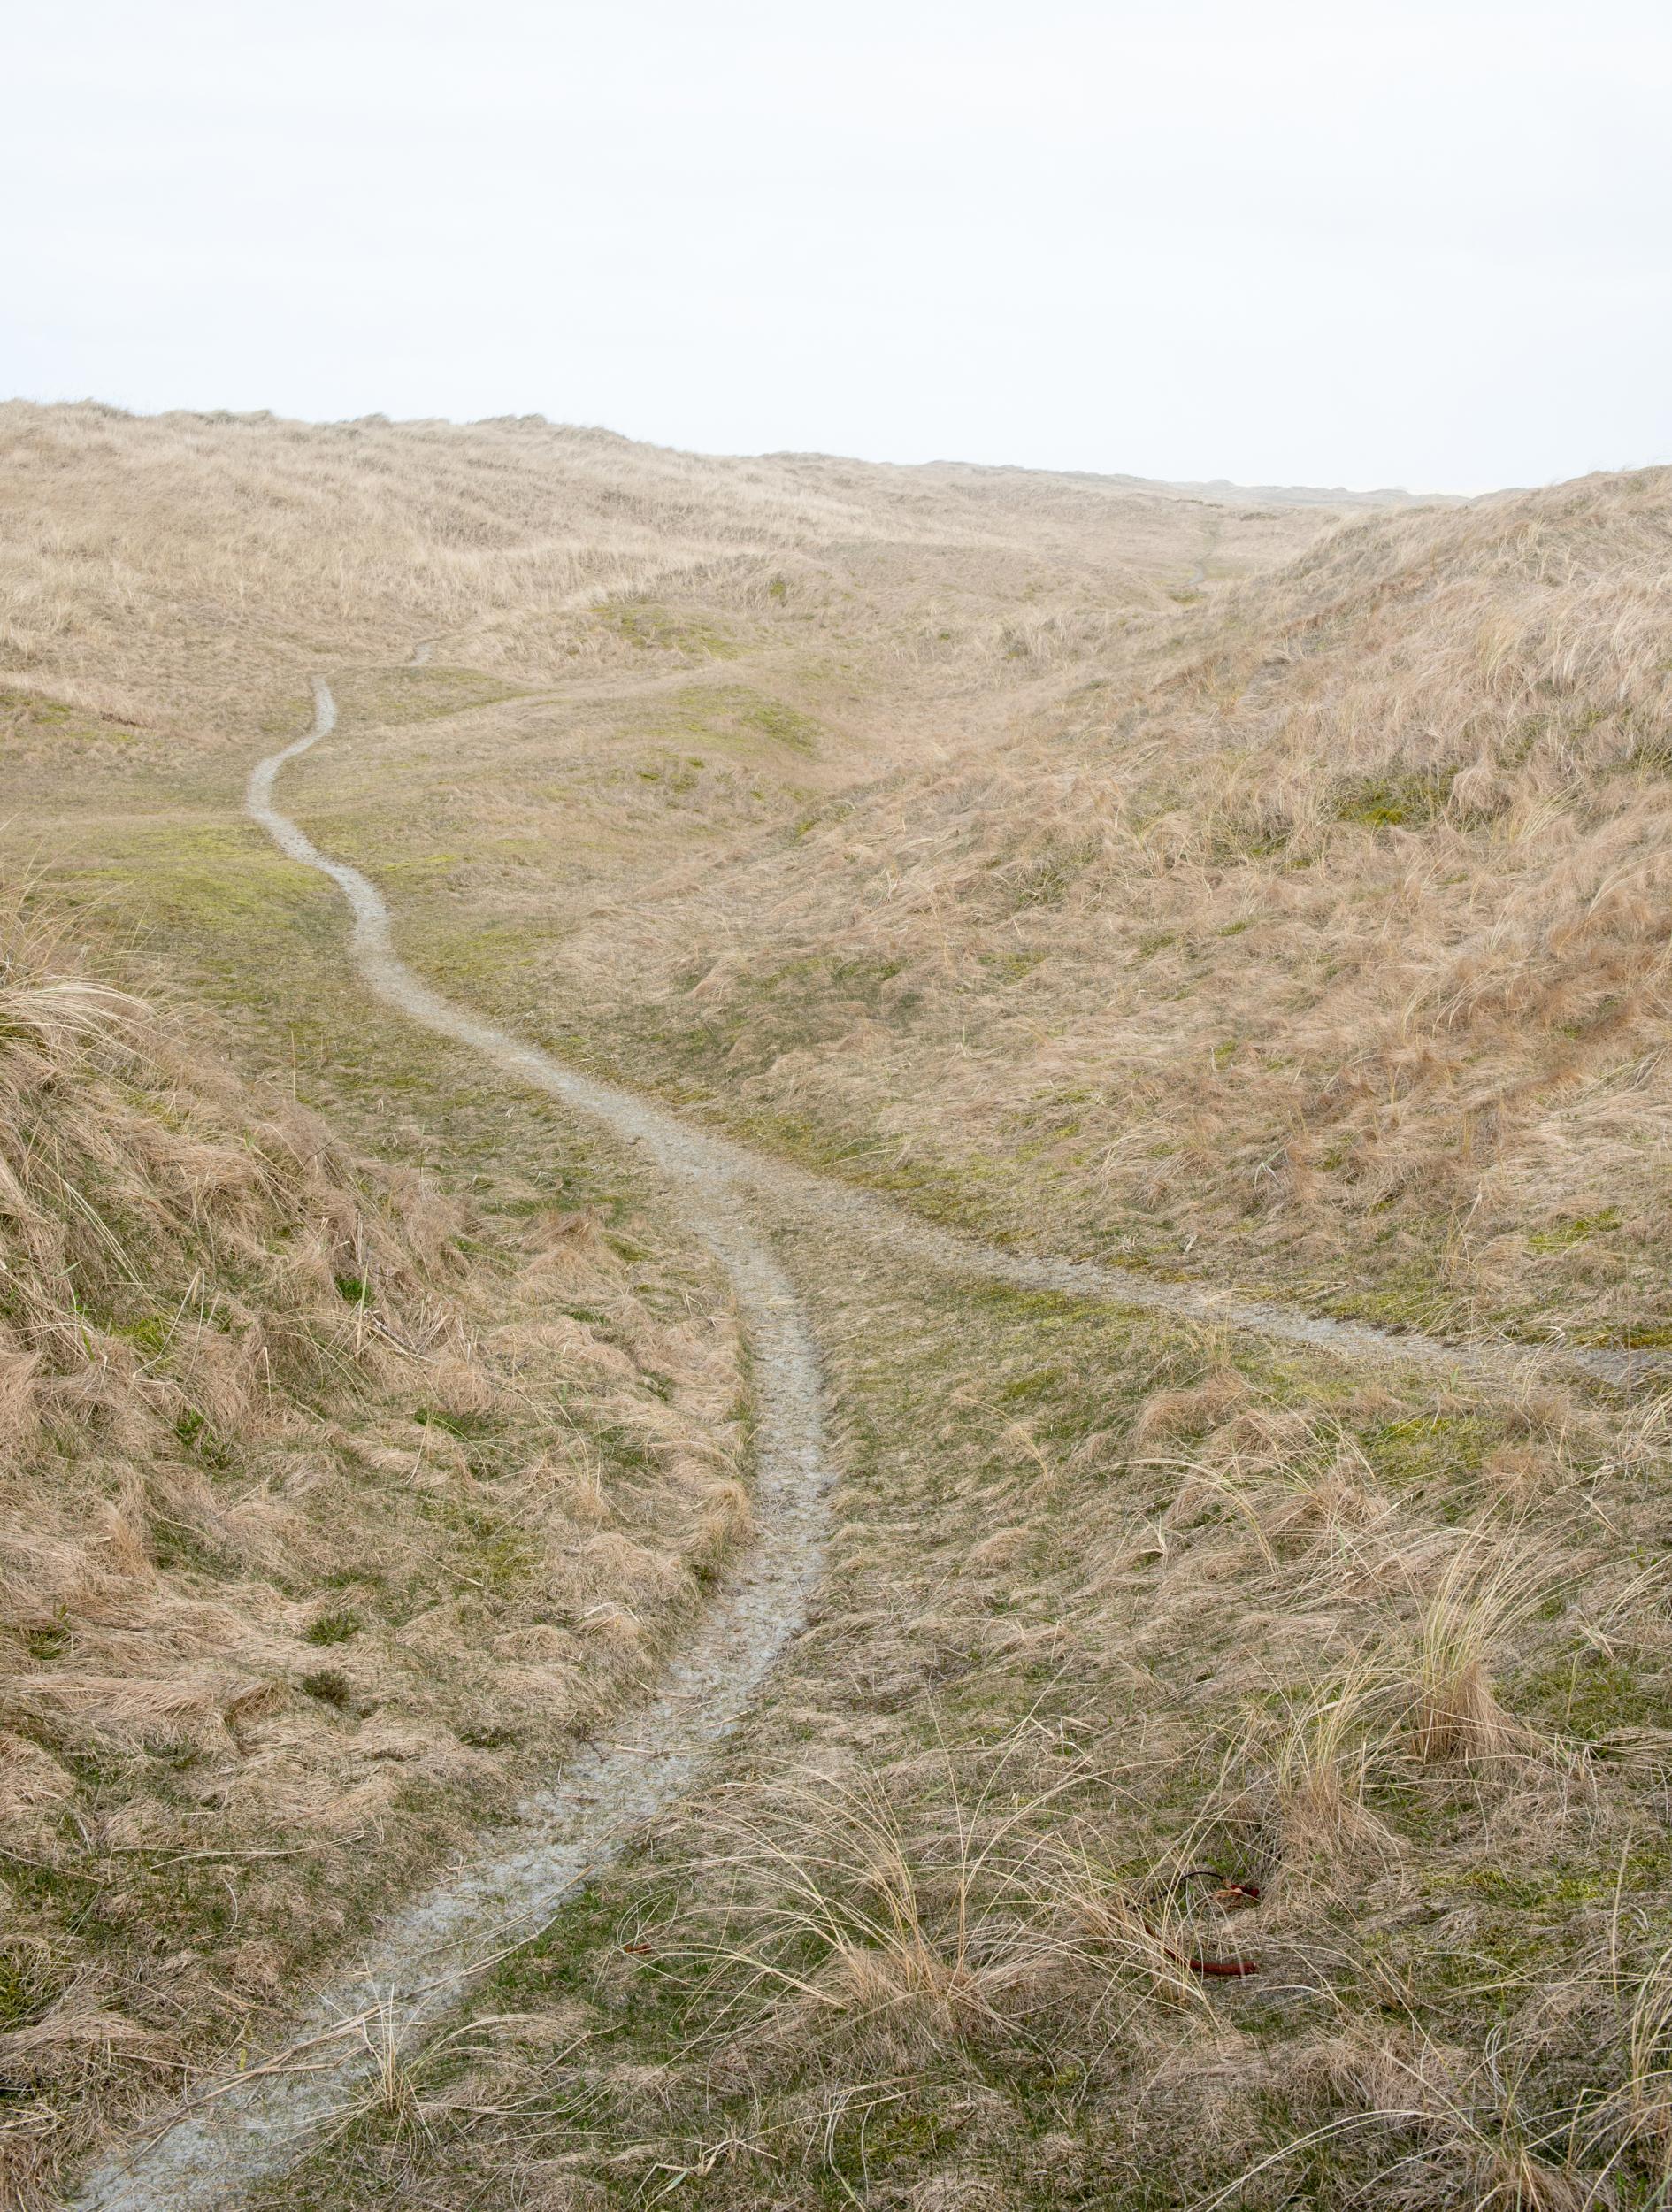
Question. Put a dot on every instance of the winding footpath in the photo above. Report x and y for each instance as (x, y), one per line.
(235, 2130)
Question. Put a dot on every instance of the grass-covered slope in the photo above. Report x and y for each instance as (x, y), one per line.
(323, 1521)
(175, 573)
(1325, 940)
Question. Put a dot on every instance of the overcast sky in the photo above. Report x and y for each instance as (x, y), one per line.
(1353, 243)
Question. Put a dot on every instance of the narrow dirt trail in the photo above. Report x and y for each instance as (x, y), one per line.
(815, 1205)
(237, 2128)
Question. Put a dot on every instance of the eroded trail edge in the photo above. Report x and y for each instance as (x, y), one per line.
(235, 2130)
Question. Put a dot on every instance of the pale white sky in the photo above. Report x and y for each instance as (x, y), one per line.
(1264, 239)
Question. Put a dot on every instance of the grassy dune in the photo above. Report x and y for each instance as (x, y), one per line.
(174, 569)
(1246, 889)
(1319, 940)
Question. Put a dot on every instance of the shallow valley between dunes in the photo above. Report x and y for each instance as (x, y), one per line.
(898, 1434)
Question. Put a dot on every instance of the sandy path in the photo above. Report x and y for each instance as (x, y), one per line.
(817, 1205)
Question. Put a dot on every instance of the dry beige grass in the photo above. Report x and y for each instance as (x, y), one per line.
(172, 570)
(1321, 939)
(1311, 933)
(1302, 1694)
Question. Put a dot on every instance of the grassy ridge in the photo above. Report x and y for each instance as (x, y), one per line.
(1321, 943)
